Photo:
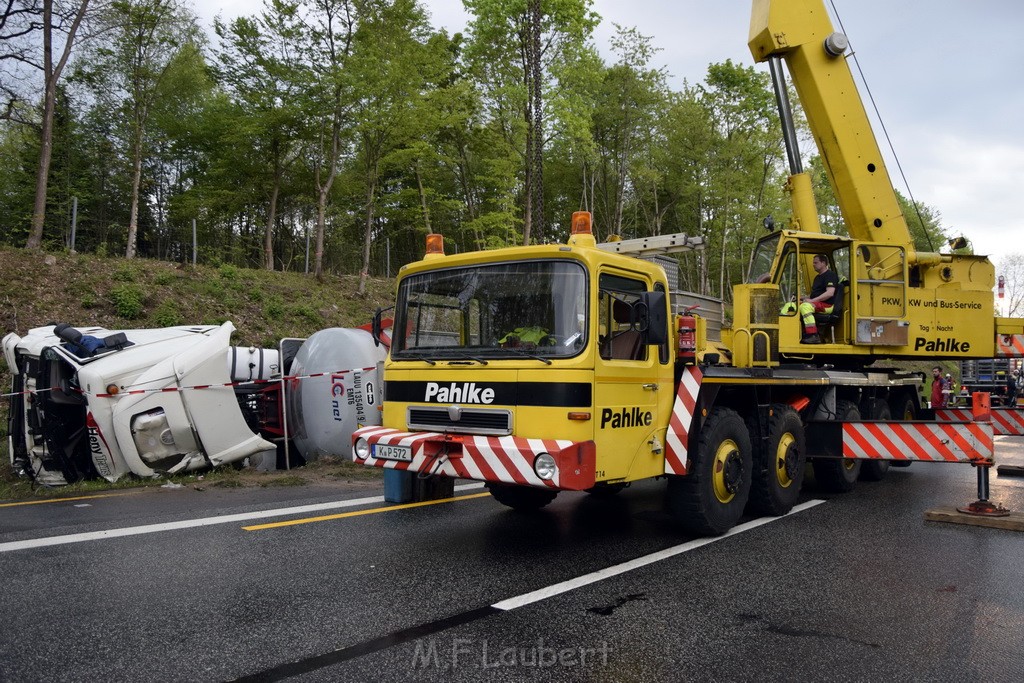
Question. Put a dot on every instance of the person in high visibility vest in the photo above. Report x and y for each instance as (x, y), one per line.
(526, 336)
(823, 288)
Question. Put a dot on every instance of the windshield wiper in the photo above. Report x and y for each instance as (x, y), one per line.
(518, 350)
(481, 361)
(405, 355)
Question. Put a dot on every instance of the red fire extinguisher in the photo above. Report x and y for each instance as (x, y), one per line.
(687, 345)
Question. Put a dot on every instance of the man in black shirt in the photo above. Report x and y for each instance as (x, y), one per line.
(820, 300)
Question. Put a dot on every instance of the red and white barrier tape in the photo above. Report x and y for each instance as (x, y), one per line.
(197, 387)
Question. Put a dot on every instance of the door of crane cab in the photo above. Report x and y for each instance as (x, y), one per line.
(879, 304)
(633, 376)
(784, 259)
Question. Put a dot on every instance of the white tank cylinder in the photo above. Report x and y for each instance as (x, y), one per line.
(324, 411)
(246, 363)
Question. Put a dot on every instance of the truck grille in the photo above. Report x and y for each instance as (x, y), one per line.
(463, 420)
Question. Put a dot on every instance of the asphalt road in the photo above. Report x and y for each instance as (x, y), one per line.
(854, 587)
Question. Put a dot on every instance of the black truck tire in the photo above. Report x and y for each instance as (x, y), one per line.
(839, 475)
(710, 498)
(779, 463)
(522, 498)
(875, 409)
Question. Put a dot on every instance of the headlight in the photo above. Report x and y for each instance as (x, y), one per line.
(545, 466)
(362, 448)
(153, 437)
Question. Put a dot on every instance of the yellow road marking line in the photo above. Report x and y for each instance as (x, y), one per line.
(357, 513)
(61, 500)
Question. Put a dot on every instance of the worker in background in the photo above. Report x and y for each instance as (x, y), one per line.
(1011, 388)
(823, 288)
(938, 384)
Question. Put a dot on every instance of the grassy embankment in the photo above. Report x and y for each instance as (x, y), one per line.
(40, 289)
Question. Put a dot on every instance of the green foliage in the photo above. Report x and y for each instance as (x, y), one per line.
(274, 308)
(126, 272)
(228, 272)
(163, 278)
(307, 313)
(390, 128)
(167, 314)
(128, 301)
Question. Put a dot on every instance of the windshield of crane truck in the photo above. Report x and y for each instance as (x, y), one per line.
(507, 310)
(761, 262)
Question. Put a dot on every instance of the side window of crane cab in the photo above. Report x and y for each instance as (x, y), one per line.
(841, 263)
(618, 336)
(789, 284)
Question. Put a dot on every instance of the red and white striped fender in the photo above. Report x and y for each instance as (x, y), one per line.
(1005, 421)
(927, 441)
(678, 436)
(503, 459)
(1010, 345)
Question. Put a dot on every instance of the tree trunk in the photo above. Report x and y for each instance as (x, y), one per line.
(268, 233)
(51, 74)
(325, 188)
(467, 193)
(133, 217)
(537, 184)
(321, 219)
(423, 198)
(35, 238)
(371, 192)
(528, 181)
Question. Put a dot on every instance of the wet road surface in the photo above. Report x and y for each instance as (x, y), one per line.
(207, 587)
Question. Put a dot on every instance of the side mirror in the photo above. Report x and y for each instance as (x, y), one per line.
(651, 318)
(376, 328)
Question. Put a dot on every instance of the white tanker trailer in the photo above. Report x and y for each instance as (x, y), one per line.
(88, 402)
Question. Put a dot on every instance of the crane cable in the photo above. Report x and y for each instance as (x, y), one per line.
(878, 115)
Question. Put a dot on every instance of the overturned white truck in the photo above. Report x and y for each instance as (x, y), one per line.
(88, 402)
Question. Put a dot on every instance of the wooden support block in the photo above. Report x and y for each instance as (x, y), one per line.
(1010, 470)
(950, 515)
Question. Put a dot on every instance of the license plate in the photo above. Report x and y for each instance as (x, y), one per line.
(383, 451)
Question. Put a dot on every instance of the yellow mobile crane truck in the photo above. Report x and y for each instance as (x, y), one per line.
(573, 367)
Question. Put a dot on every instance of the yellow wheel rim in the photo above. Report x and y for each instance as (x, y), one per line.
(725, 476)
(782, 451)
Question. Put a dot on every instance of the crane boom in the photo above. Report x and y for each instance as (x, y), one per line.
(801, 33)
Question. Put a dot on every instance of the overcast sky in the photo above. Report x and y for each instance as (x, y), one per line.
(947, 77)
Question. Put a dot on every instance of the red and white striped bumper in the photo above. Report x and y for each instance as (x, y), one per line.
(1005, 421)
(504, 459)
(677, 438)
(927, 441)
(1009, 345)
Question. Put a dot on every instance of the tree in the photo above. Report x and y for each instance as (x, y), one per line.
(258, 62)
(745, 163)
(19, 24)
(323, 31)
(143, 39)
(520, 66)
(389, 55)
(60, 21)
(628, 106)
(1011, 269)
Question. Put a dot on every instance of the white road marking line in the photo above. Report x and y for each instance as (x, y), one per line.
(190, 523)
(84, 505)
(609, 572)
